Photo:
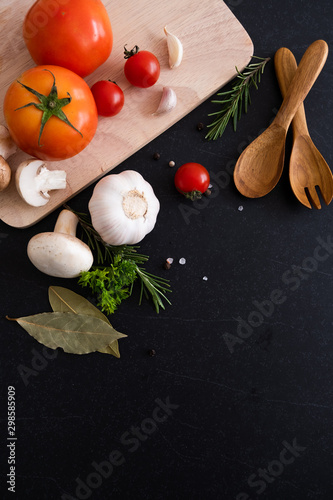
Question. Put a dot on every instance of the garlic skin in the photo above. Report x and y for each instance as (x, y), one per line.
(123, 208)
(168, 101)
(175, 49)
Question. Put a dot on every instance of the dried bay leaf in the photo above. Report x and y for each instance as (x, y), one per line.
(65, 300)
(74, 333)
(112, 348)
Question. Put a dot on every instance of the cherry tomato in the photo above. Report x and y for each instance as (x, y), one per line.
(142, 68)
(66, 94)
(192, 180)
(74, 34)
(109, 97)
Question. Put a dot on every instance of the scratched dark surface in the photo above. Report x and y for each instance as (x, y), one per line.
(237, 404)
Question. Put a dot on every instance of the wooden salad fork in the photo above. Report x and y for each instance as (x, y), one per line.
(308, 171)
(259, 167)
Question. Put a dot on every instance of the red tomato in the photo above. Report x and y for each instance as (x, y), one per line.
(68, 95)
(75, 34)
(108, 96)
(192, 180)
(142, 68)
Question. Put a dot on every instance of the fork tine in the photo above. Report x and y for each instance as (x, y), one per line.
(303, 197)
(327, 191)
(313, 197)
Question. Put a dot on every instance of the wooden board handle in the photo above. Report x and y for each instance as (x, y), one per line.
(305, 76)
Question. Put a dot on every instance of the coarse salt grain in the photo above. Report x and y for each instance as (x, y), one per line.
(182, 261)
(205, 278)
(169, 260)
(240, 208)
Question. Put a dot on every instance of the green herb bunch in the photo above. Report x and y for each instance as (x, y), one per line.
(236, 99)
(111, 284)
(118, 267)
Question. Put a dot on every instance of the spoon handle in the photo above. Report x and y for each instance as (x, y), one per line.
(306, 74)
(285, 68)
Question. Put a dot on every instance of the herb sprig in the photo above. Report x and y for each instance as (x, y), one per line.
(236, 99)
(118, 267)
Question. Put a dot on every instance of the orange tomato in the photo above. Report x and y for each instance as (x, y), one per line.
(65, 92)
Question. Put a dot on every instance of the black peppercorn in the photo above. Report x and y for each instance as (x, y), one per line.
(156, 156)
(152, 352)
(200, 126)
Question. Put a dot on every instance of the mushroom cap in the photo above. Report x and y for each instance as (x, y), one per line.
(25, 183)
(7, 145)
(59, 255)
(5, 174)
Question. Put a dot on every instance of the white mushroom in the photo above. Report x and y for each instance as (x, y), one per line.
(60, 253)
(34, 180)
(5, 174)
(7, 148)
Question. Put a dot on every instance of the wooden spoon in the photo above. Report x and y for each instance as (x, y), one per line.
(307, 168)
(260, 166)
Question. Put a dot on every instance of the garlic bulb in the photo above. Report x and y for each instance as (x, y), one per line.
(123, 208)
(175, 49)
(168, 101)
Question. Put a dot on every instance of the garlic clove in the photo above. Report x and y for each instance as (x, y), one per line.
(168, 101)
(175, 49)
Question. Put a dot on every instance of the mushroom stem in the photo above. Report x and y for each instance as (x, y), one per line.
(66, 223)
(48, 180)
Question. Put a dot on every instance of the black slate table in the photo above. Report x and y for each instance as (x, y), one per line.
(237, 403)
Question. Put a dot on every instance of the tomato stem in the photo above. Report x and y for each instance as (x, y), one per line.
(193, 195)
(50, 105)
(130, 53)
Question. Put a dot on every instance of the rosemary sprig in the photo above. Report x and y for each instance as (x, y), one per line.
(236, 99)
(153, 285)
(108, 279)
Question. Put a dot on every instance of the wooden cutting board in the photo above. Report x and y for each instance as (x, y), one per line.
(214, 44)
